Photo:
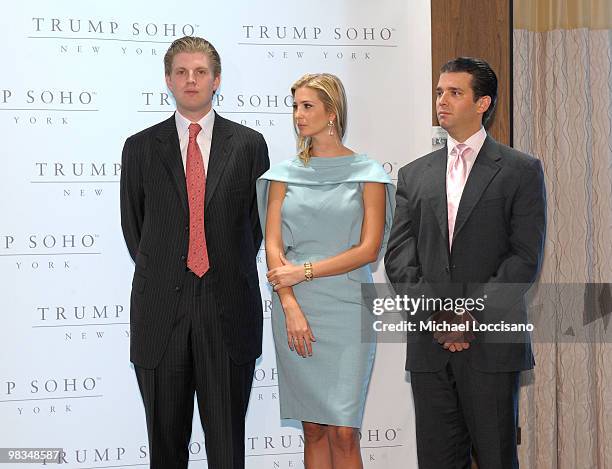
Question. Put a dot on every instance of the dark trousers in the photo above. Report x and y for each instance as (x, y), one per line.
(196, 361)
(459, 407)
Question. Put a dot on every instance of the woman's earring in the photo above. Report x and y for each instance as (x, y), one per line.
(330, 124)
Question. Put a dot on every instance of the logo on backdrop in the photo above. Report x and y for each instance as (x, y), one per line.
(89, 37)
(265, 386)
(346, 43)
(49, 252)
(253, 108)
(379, 440)
(391, 168)
(47, 107)
(267, 308)
(81, 323)
(279, 450)
(76, 179)
(49, 395)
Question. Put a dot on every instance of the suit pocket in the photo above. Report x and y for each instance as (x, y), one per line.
(238, 187)
(138, 283)
(491, 202)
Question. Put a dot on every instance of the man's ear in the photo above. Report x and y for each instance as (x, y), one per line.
(484, 102)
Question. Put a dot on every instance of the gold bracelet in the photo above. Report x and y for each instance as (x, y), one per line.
(308, 271)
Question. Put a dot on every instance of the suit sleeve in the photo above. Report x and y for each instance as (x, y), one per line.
(528, 230)
(260, 166)
(401, 259)
(131, 199)
(514, 276)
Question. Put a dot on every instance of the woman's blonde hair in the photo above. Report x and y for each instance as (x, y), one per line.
(331, 92)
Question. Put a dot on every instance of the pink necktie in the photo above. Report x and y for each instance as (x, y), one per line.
(455, 182)
(197, 257)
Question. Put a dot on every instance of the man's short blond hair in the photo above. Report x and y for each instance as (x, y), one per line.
(193, 44)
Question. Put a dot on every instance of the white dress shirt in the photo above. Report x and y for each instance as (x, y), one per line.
(475, 142)
(204, 137)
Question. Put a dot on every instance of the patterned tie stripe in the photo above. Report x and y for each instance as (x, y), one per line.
(197, 257)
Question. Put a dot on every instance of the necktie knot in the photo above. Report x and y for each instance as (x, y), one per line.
(460, 150)
(458, 154)
(194, 130)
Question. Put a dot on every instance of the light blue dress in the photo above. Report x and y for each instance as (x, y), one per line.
(322, 214)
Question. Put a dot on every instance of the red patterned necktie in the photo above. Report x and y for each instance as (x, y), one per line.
(197, 257)
(455, 182)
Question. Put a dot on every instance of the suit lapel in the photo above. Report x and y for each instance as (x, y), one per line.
(484, 170)
(170, 155)
(436, 178)
(220, 147)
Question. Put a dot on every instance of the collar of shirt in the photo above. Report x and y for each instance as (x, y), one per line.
(475, 142)
(206, 122)
(204, 137)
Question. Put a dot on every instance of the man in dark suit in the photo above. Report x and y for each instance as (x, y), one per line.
(190, 222)
(470, 213)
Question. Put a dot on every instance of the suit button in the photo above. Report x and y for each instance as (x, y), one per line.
(447, 269)
(183, 258)
(177, 288)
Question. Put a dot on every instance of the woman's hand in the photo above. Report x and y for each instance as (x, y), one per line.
(299, 334)
(285, 276)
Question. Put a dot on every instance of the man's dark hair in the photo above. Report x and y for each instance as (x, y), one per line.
(484, 80)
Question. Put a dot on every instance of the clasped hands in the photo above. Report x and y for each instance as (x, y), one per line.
(454, 341)
(286, 275)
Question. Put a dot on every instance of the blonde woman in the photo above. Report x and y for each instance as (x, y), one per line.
(326, 215)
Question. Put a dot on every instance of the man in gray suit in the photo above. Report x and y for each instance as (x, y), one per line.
(190, 222)
(470, 213)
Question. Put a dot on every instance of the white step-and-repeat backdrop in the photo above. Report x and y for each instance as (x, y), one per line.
(80, 77)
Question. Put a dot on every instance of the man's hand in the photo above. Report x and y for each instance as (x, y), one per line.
(456, 346)
(454, 341)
